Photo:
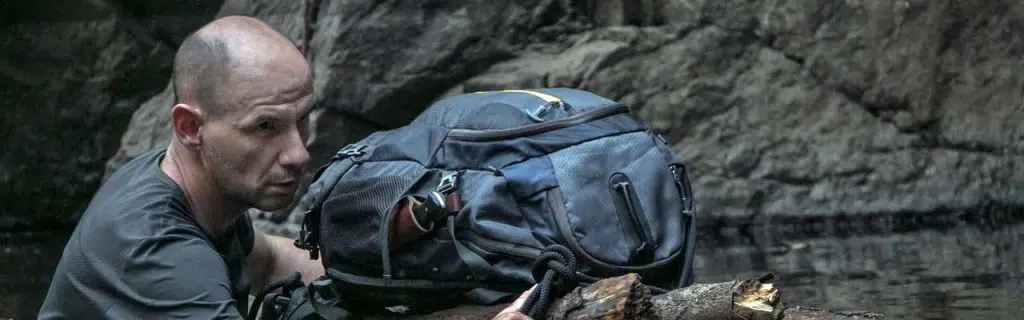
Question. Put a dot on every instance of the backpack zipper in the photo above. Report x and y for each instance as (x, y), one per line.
(557, 201)
(385, 250)
(498, 134)
(501, 247)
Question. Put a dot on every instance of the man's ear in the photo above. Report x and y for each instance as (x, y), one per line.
(185, 123)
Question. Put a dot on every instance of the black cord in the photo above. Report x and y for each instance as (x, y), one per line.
(556, 273)
(292, 282)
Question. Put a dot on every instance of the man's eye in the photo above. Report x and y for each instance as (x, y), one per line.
(264, 125)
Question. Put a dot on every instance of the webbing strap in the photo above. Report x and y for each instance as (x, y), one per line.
(479, 268)
(477, 265)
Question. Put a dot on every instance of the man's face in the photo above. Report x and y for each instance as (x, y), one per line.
(256, 150)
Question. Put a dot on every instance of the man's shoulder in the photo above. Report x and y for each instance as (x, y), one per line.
(143, 169)
(138, 200)
(133, 225)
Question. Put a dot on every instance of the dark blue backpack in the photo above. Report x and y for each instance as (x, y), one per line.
(558, 174)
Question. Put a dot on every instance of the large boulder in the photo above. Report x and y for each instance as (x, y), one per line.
(797, 109)
(71, 75)
(786, 109)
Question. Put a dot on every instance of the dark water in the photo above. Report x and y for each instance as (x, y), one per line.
(937, 267)
(956, 266)
(27, 260)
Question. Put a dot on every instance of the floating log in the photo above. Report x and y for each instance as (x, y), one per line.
(624, 297)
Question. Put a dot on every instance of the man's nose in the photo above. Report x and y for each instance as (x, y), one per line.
(295, 155)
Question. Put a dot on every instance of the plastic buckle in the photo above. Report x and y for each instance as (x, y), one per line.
(351, 150)
(448, 183)
(305, 239)
(273, 305)
(324, 289)
(538, 114)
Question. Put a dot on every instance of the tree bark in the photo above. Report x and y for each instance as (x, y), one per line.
(624, 297)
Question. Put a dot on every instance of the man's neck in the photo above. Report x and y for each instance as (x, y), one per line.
(212, 210)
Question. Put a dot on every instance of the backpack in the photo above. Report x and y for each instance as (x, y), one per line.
(550, 183)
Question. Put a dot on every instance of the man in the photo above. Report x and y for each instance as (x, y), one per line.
(167, 235)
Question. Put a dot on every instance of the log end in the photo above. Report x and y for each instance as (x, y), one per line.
(622, 297)
(756, 299)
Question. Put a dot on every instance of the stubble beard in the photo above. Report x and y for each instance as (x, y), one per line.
(249, 192)
(254, 194)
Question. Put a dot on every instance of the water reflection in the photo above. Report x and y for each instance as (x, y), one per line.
(948, 266)
(940, 266)
(27, 260)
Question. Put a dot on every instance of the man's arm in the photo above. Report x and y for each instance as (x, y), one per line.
(275, 257)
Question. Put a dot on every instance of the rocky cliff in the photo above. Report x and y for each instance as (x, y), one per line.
(784, 108)
(71, 75)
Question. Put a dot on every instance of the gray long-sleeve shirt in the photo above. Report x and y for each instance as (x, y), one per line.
(138, 253)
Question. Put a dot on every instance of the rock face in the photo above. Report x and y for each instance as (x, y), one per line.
(71, 75)
(804, 108)
(784, 108)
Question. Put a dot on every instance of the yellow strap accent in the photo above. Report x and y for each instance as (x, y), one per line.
(547, 97)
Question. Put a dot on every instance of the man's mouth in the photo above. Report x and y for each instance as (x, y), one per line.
(286, 184)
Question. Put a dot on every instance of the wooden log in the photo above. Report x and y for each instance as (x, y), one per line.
(747, 299)
(613, 298)
(624, 297)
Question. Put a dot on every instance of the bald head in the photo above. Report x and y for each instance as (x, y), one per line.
(214, 66)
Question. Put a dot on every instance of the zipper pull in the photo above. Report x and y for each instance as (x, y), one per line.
(685, 196)
(449, 183)
(645, 251)
(636, 229)
(350, 150)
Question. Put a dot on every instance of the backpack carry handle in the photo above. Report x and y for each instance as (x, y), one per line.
(550, 102)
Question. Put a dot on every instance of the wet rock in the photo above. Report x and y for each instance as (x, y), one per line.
(784, 108)
(71, 75)
(799, 108)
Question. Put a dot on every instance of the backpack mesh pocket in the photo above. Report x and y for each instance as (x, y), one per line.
(355, 215)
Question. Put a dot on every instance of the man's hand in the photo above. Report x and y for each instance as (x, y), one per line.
(275, 257)
(512, 311)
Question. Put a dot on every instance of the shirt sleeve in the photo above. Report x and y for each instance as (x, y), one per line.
(174, 275)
